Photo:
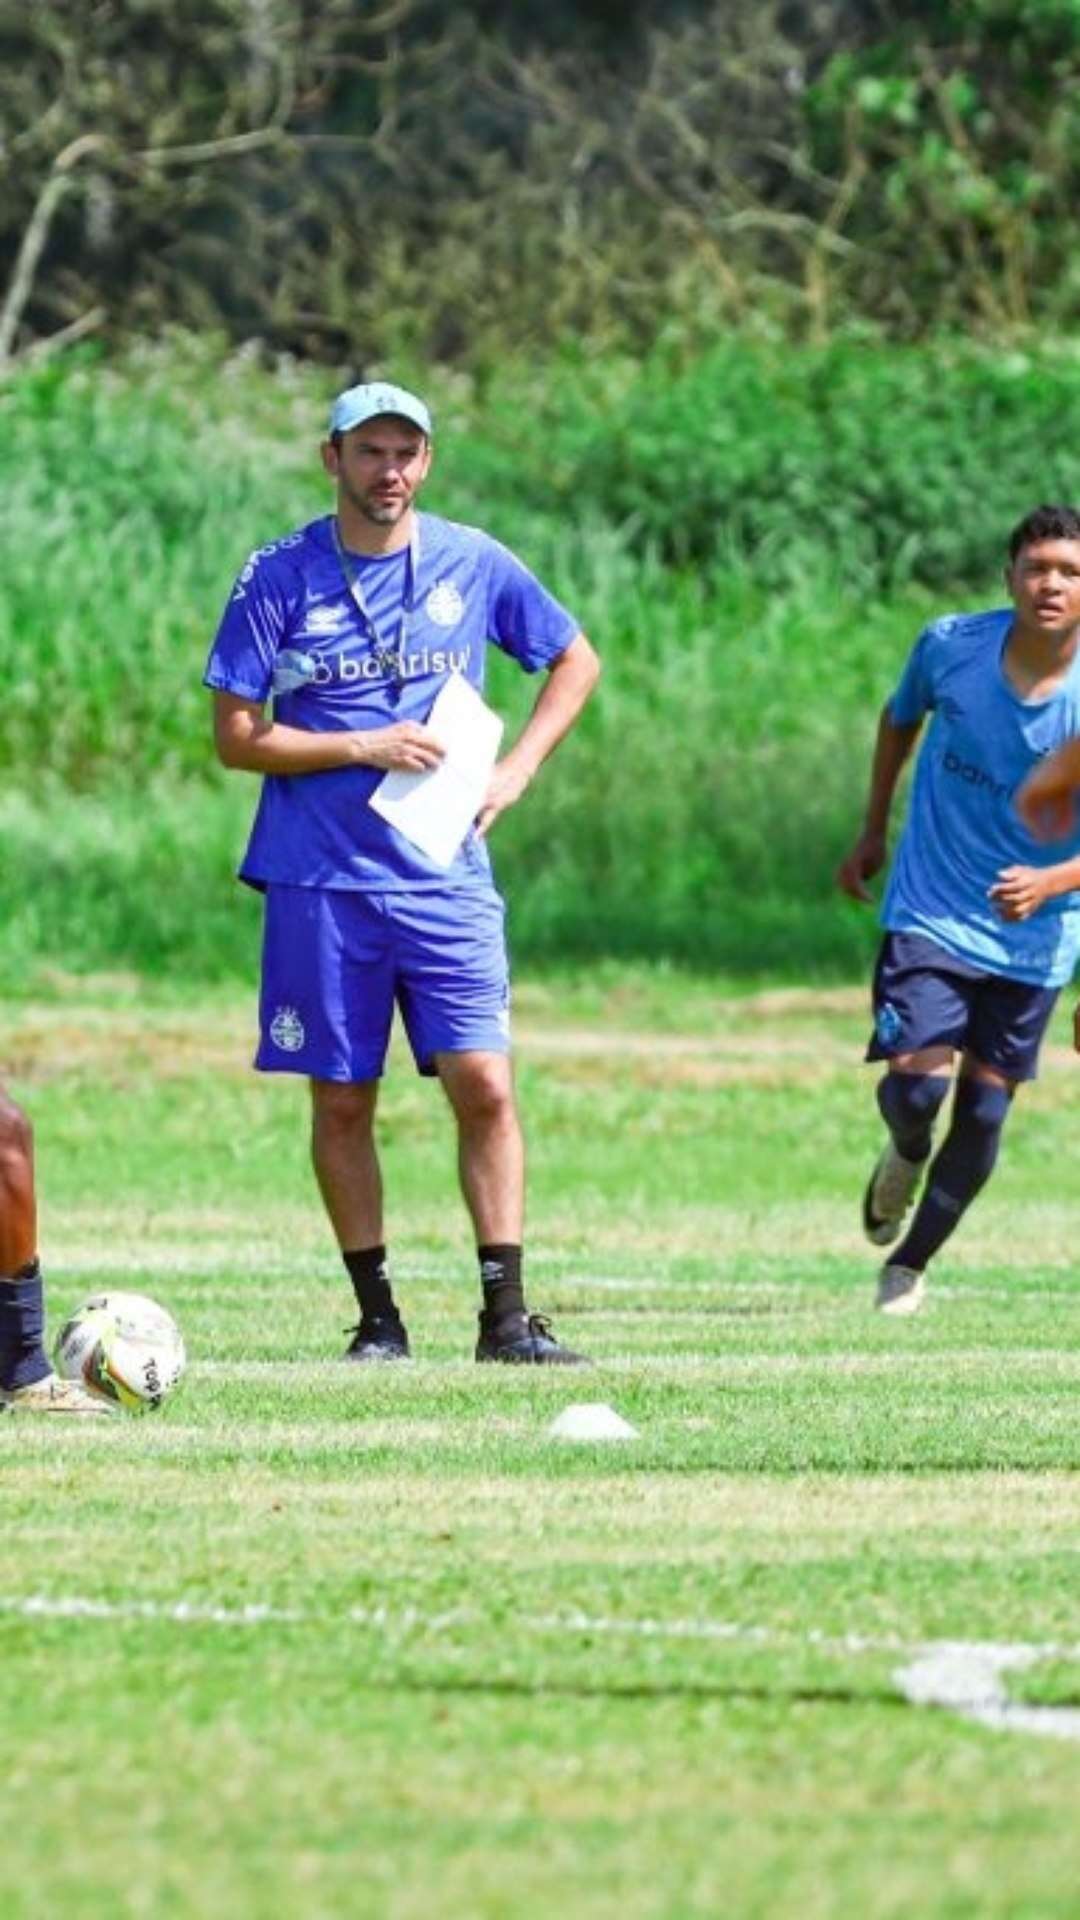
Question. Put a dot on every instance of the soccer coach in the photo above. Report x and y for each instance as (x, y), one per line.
(350, 627)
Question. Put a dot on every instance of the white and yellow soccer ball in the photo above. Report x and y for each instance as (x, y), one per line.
(122, 1347)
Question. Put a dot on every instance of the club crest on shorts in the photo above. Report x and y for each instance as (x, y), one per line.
(444, 605)
(888, 1025)
(287, 1030)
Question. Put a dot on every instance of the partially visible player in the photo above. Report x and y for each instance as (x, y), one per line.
(982, 926)
(27, 1380)
(1047, 801)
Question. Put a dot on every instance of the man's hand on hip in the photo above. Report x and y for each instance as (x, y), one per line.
(507, 784)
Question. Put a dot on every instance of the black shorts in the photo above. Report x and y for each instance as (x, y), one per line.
(925, 997)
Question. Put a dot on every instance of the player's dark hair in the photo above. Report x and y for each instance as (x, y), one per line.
(1044, 523)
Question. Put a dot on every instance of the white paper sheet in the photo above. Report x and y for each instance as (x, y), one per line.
(436, 809)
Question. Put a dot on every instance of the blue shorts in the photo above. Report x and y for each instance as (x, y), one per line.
(335, 964)
(925, 997)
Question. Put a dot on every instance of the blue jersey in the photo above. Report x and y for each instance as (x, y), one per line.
(962, 827)
(293, 631)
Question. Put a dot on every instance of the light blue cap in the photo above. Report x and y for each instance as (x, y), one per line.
(370, 402)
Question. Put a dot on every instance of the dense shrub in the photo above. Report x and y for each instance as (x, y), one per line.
(881, 465)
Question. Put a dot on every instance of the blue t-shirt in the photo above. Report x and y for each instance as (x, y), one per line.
(962, 827)
(292, 630)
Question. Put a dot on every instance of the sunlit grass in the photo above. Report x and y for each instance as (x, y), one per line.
(376, 1642)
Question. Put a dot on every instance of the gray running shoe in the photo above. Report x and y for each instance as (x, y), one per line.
(900, 1290)
(890, 1192)
(53, 1395)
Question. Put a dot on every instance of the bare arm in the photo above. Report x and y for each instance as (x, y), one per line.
(1018, 892)
(1047, 800)
(892, 750)
(246, 739)
(1046, 803)
(570, 680)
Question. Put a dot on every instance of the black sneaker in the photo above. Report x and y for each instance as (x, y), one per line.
(524, 1340)
(381, 1337)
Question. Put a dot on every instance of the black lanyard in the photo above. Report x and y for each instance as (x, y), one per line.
(389, 660)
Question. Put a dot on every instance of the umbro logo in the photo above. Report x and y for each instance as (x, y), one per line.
(320, 620)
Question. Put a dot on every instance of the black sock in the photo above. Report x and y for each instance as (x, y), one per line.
(962, 1167)
(500, 1277)
(371, 1282)
(22, 1329)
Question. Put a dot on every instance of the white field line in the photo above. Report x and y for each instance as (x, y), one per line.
(1065, 1296)
(660, 1299)
(307, 1268)
(1062, 1366)
(965, 1677)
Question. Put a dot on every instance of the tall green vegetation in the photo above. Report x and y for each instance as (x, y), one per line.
(752, 540)
(883, 464)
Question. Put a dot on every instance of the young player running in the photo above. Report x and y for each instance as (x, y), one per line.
(27, 1381)
(981, 925)
(352, 625)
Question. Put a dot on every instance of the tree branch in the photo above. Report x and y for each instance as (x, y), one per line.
(37, 233)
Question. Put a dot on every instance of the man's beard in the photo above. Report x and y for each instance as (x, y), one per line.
(385, 514)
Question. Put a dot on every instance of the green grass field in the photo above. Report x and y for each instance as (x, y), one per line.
(315, 1641)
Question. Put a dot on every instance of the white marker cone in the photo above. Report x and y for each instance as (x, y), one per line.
(591, 1420)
